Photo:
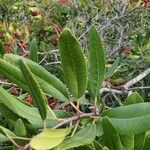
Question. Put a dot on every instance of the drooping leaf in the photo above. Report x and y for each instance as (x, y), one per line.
(73, 63)
(40, 72)
(2, 49)
(134, 98)
(83, 137)
(24, 111)
(14, 74)
(96, 62)
(49, 138)
(34, 89)
(33, 48)
(3, 138)
(6, 132)
(111, 136)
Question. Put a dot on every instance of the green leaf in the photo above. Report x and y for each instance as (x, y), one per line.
(97, 145)
(7, 133)
(83, 137)
(7, 113)
(129, 111)
(33, 48)
(132, 125)
(24, 111)
(147, 141)
(34, 89)
(139, 141)
(134, 98)
(49, 138)
(105, 148)
(111, 136)
(19, 128)
(2, 49)
(40, 72)
(6, 148)
(112, 69)
(3, 138)
(73, 63)
(127, 141)
(123, 117)
(96, 62)
(14, 74)
(87, 147)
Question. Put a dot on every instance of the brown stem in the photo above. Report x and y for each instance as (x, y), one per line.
(66, 121)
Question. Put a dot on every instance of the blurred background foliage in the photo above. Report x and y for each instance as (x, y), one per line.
(124, 26)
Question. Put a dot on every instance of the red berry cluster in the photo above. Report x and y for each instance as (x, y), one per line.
(146, 3)
(127, 50)
(35, 13)
(7, 47)
(63, 1)
(29, 100)
(2, 36)
(57, 31)
(52, 103)
(14, 90)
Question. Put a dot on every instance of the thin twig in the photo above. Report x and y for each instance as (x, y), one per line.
(74, 119)
(139, 88)
(136, 79)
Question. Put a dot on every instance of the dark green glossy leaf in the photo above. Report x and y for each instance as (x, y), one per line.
(96, 62)
(14, 74)
(130, 119)
(73, 63)
(132, 125)
(42, 73)
(34, 88)
(24, 111)
(134, 98)
(129, 111)
(112, 140)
